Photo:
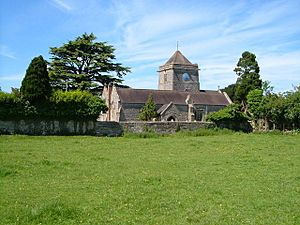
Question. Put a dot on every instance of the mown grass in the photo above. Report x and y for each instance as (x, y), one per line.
(204, 177)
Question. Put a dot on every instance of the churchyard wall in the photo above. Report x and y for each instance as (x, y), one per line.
(163, 127)
(94, 128)
(55, 127)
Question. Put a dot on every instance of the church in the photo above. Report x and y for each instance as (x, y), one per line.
(178, 98)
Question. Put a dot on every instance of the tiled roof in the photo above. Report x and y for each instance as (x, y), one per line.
(178, 58)
(130, 95)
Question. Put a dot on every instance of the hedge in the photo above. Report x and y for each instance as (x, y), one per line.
(78, 105)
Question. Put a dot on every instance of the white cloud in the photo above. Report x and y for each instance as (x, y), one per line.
(61, 4)
(213, 37)
(6, 52)
(212, 34)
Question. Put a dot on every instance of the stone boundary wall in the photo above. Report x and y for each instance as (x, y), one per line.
(94, 128)
(163, 127)
(55, 127)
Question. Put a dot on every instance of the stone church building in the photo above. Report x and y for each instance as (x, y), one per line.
(178, 98)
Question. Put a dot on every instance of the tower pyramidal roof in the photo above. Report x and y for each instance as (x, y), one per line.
(178, 58)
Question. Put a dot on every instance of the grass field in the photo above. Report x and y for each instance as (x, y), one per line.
(181, 179)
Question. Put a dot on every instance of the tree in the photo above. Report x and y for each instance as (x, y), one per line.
(148, 112)
(292, 113)
(267, 88)
(254, 100)
(35, 85)
(273, 110)
(248, 77)
(230, 90)
(84, 64)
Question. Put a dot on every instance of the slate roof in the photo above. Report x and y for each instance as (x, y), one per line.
(130, 95)
(178, 58)
(164, 108)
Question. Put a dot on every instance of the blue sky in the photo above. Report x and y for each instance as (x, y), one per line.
(211, 33)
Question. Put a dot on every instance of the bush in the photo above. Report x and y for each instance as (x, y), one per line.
(61, 105)
(148, 112)
(76, 104)
(11, 106)
(230, 117)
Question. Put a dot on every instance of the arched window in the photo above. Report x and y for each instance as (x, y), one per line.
(186, 77)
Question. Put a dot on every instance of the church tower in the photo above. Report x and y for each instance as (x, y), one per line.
(179, 74)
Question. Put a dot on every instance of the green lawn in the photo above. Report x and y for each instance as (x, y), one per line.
(221, 179)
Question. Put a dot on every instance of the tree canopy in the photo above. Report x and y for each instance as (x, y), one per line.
(248, 79)
(35, 85)
(84, 64)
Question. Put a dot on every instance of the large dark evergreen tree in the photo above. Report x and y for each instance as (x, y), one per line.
(248, 77)
(84, 64)
(35, 85)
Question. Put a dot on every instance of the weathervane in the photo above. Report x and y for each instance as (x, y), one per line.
(177, 45)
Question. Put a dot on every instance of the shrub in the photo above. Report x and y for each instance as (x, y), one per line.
(148, 112)
(229, 113)
(61, 105)
(230, 117)
(76, 105)
(11, 106)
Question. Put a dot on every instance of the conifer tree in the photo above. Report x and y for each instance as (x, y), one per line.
(35, 85)
(248, 77)
(148, 112)
(84, 64)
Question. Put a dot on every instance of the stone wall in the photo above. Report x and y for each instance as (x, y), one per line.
(99, 128)
(131, 111)
(179, 112)
(163, 127)
(54, 127)
(170, 77)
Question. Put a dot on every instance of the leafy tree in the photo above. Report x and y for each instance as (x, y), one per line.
(35, 85)
(148, 112)
(248, 77)
(292, 113)
(84, 64)
(267, 88)
(254, 100)
(273, 110)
